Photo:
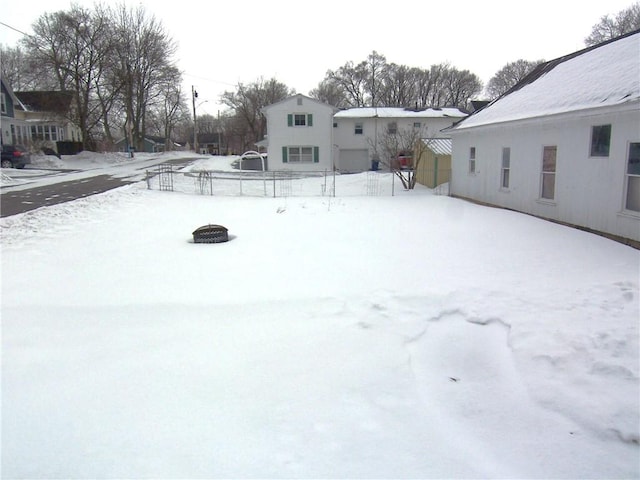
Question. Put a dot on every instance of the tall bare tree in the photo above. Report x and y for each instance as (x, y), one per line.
(374, 81)
(16, 68)
(73, 46)
(609, 27)
(330, 92)
(509, 75)
(399, 84)
(247, 102)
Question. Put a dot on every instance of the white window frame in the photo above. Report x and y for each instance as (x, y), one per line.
(358, 129)
(297, 116)
(505, 170)
(549, 173)
(299, 154)
(632, 175)
(392, 128)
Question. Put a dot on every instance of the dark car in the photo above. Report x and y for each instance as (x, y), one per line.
(15, 156)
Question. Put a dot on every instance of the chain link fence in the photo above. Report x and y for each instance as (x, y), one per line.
(281, 183)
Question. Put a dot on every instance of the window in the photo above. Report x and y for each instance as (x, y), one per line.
(335, 124)
(300, 119)
(600, 140)
(472, 160)
(548, 181)
(299, 101)
(3, 102)
(392, 128)
(633, 178)
(300, 154)
(417, 125)
(506, 167)
(359, 129)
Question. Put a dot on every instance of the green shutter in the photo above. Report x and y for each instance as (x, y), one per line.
(316, 154)
(290, 120)
(284, 154)
(310, 120)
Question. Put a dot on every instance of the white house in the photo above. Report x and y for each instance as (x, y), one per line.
(299, 134)
(358, 130)
(563, 144)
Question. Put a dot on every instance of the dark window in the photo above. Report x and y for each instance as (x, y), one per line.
(600, 140)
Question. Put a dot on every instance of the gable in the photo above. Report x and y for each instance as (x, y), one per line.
(601, 76)
(299, 102)
(43, 101)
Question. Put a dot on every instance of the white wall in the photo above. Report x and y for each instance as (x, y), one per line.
(280, 134)
(589, 191)
(346, 139)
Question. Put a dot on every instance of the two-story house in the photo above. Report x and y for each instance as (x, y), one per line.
(47, 116)
(300, 134)
(358, 132)
(14, 129)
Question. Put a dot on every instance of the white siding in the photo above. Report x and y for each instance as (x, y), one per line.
(281, 135)
(346, 138)
(589, 190)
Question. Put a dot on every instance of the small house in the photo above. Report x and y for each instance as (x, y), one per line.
(433, 164)
(362, 135)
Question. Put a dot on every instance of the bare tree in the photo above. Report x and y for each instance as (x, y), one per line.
(389, 145)
(73, 47)
(399, 86)
(16, 68)
(609, 27)
(247, 102)
(351, 80)
(430, 90)
(460, 87)
(330, 92)
(374, 82)
(509, 75)
(144, 52)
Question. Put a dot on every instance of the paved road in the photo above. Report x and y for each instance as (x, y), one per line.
(24, 200)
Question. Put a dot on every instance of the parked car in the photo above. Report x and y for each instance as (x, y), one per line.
(15, 156)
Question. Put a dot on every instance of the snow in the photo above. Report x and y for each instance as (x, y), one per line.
(406, 336)
(394, 112)
(604, 76)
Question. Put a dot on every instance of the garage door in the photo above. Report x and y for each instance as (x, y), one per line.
(354, 160)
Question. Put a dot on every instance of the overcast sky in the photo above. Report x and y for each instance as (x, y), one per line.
(222, 43)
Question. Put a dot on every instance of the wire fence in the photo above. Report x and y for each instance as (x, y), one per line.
(280, 183)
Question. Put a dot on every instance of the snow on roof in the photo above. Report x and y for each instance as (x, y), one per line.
(399, 112)
(605, 75)
(439, 146)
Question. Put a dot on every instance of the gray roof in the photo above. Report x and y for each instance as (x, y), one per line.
(399, 112)
(439, 146)
(601, 76)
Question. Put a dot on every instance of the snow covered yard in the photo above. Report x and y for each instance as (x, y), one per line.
(356, 337)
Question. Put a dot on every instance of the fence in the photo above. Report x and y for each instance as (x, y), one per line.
(281, 183)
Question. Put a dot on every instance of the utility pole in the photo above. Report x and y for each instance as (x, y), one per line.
(194, 95)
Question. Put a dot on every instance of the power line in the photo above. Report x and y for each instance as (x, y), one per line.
(15, 29)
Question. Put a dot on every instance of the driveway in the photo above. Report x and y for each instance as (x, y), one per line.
(64, 186)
